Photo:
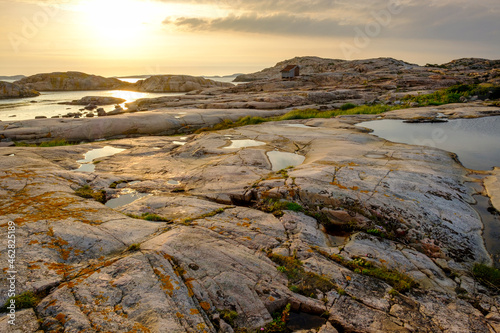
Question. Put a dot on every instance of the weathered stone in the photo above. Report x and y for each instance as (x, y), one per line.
(177, 83)
(70, 81)
(492, 184)
(25, 322)
(12, 90)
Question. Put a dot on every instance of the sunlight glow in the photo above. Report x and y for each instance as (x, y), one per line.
(117, 20)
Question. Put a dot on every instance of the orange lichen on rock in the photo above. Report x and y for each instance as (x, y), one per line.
(165, 281)
(205, 306)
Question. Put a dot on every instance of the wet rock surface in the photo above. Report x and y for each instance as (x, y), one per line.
(226, 217)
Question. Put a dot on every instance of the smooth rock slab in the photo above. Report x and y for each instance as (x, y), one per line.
(492, 184)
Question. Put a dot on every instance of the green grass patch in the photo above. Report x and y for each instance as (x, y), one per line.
(454, 93)
(134, 247)
(276, 207)
(348, 106)
(228, 316)
(278, 325)
(88, 193)
(396, 279)
(376, 232)
(302, 114)
(53, 143)
(489, 276)
(149, 217)
(227, 123)
(115, 184)
(203, 216)
(25, 300)
(300, 281)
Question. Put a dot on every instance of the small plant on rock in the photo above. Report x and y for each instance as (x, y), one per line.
(25, 300)
(88, 193)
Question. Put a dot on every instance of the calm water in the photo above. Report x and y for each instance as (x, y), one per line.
(87, 163)
(47, 103)
(477, 144)
(281, 160)
(237, 144)
(475, 141)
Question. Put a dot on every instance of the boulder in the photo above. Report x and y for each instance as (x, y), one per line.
(101, 112)
(12, 90)
(178, 83)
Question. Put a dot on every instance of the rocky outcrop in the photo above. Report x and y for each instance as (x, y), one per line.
(177, 83)
(96, 100)
(317, 65)
(71, 81)
(210, 261)
(11, 90)
(168, 122)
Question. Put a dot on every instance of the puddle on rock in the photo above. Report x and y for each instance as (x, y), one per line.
(87, 163)
(125, 199)
(179, 143)
(280, 160)
(173, 182)
(376, 155)
(237, 144)
(298, 126)
(303, 321)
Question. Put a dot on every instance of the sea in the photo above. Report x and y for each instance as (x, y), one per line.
(48, 103)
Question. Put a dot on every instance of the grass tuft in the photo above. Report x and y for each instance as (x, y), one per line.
(487, 275)
(53, 143)
(301, 114)
(149, 217)
(25, 300)
(228, 316)
(88, 193)
(134, 247)
(300, 281)
(454, 93)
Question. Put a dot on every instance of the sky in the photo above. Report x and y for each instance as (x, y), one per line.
(222, 37)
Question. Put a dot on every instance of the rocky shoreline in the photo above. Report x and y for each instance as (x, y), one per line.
(231, 226)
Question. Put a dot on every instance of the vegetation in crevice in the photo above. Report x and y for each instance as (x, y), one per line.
(88, 193)
(149, 217)
(299, 280)
(203, 216)
(279, 323)
(488, 276)
(301, 114)
(52, 143)
(276, 206)
(455, 93)
(25, 300)
(134, 247)
(399, 281)
(229, 316)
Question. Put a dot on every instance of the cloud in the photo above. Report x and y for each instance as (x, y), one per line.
(281, 24)
(425, 19)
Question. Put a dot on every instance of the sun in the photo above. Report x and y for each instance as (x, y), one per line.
(116, 20)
